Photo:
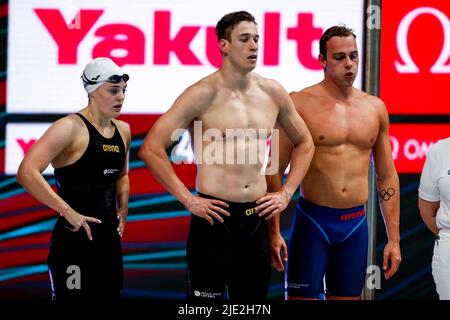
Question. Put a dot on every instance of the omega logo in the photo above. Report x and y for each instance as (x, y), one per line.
(407, 65)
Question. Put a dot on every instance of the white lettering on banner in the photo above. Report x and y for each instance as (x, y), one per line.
(394, 147)
(408, 65)
(412, 149)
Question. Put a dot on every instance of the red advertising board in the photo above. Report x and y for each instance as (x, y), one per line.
(410, 144)
(415, 56)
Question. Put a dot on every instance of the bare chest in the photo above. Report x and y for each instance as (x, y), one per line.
(338, 125)
(240, 112)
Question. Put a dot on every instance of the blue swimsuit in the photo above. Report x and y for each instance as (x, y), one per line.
(327, 242)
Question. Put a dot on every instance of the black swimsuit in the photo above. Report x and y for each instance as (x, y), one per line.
(80, 268)
(231, 257)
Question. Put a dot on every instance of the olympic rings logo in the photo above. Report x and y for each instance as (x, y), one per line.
(387, 194)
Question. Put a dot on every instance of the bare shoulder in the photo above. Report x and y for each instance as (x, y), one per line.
(63, 131)
(70, 123)
(307, 97)
(205, 88)
(270, 86)
(122, 125)
(196, 98)
(124, 130)
(374, 101)
(306, 93)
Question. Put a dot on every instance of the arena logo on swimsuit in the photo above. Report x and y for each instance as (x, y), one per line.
(68, 41)
(353, 215)
(110, 148)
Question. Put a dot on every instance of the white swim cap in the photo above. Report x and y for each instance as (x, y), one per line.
(101, 70)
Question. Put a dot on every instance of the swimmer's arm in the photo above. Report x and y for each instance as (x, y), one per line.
(57, 138)
(300, 137)
(387, 178)
(302, 153)
(186, 108)
(284, 147)
(303, 149)
(275, 181)
(278, 251)
(123, 182)
(123, 191)
(388, 192)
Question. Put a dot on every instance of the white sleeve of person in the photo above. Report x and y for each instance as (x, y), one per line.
(435, 181)
(428, 187)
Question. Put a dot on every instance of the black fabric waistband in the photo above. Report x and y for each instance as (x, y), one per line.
(245, 208)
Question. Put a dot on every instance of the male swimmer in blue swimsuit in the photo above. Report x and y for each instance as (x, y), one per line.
(329, 234)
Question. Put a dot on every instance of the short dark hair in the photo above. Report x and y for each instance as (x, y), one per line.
(335, 31)
(229, 21)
